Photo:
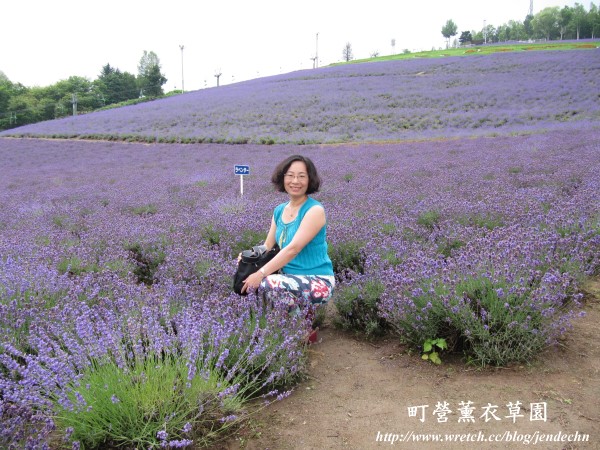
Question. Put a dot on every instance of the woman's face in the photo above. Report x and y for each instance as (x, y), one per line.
(295, 180)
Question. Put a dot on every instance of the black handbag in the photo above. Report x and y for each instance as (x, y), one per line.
(251, 261)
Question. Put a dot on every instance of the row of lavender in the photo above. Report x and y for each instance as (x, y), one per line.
(457, 96)
(116, 261)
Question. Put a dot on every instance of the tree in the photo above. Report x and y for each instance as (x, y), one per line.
(477, 37)
(155, 80)
(565, 17)
(348, 52)
(465, 38)
(150, 79)
(579, 17)
(147, 60)
(73, 88)
(449, 30)
(594, 17)
(516, 30)
(528, 27)
(6, 88)
(545, 23)
(115, 86)
(490, 34)
(503, 33)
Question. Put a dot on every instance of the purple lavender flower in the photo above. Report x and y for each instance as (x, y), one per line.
(162, 435)
(180, 443)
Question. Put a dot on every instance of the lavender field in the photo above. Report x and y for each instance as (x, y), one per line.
(457, 96)
(117, 321)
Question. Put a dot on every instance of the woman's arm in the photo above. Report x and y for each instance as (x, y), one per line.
(270, 242)
(311, 224)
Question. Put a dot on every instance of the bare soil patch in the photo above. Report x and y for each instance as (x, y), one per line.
(356, 389)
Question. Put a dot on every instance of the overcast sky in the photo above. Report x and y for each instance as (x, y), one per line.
(44, 41)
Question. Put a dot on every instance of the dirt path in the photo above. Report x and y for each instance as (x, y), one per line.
(358, 390)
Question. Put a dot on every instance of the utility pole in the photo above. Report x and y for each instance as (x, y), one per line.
(182, 88)
(531, 7)
(317, 53)
(393, 46)
(218, 75)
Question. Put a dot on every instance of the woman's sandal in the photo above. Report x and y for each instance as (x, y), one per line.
(312, 337)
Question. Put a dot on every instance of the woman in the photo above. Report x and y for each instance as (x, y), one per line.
(299, 227)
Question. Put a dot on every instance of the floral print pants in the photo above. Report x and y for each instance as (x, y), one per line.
(298, 290)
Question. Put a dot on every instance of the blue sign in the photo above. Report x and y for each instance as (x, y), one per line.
(242, 170)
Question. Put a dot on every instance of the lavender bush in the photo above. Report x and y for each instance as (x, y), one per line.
(116, 258)
(116, 368)
(381, 101)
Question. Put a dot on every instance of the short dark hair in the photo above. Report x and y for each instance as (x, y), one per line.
(314, 182)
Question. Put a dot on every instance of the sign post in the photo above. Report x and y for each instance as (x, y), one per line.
(241, 170)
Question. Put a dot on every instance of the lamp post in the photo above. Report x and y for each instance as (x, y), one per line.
(182, 88)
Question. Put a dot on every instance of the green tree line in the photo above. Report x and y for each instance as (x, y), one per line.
(552, 23)
(21, 105)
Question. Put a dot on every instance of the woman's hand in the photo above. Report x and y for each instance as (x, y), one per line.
(253, 281)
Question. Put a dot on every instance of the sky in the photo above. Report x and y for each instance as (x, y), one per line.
(45, 41)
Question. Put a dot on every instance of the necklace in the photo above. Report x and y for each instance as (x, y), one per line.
(289, 213)
(292, 211)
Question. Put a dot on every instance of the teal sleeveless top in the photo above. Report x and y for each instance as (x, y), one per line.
(313, 258)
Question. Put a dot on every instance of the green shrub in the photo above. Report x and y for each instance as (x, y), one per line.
(346, 257)
(212, 235)
(489, 221)
(121, 267)
(144, 210)
(490, 322)
(429, 219)
(357, 306)
(493, 333)
(389, 229)
(59, 221)
(75, 266)
(391, 257)
(147, 259)
(448, 246)
(247, 240)
(136, 407)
